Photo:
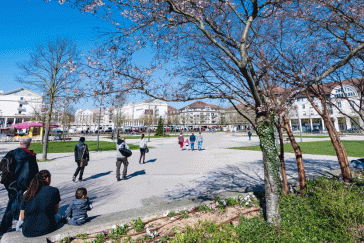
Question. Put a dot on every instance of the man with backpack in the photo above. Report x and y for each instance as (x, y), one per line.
(122, 154)
(81, 158)
(18, 168)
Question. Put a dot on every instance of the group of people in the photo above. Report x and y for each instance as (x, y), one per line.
(33, 201)
(193, 139)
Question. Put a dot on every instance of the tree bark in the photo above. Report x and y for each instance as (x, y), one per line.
(338, 146)
(334, 136)
(285, 188)
(298, 154)
(46, 132)
(265, 131)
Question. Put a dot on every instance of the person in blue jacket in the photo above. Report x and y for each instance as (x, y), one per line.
(25, 168)
(76, 212)
(192, 140)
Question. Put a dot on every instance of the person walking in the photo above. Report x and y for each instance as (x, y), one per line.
(192, 141)
(199, 141)
(121, 159)
(81, 153)
(143, 147)
(181, 140)
(250, 135)
(26, 167)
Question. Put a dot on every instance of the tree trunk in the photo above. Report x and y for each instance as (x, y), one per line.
(338, 146)
(298, 154)
(46, 132)
(283, 165)
(265, 131)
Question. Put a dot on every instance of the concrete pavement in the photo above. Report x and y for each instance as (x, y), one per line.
(170, 175)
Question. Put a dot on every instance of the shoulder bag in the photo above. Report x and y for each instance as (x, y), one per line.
(125, 152)
(84, 162)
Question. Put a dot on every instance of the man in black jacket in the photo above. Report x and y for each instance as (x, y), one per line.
(80, 150)
(26, 168)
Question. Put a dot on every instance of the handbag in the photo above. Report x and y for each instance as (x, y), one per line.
(84, 162)
(125, 152)
(147, 150)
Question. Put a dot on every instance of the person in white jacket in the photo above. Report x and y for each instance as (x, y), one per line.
(121, 159)
(143, 147)
(199, 140)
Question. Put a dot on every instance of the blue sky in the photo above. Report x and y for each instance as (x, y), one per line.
(25, 23)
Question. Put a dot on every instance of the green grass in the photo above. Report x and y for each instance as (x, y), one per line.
(304, 136)
(146, 136)
(328, 211)
(69, 146)
(353, 148)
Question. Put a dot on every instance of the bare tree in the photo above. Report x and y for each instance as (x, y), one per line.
(52, 69)
(216, 45)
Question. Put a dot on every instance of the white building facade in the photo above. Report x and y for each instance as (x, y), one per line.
(201, 114)
(136, 114)
(304, 117)
(18, 106)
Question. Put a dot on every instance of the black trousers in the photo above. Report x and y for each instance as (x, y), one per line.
(12, 210)
(79, 169)
(142, 155)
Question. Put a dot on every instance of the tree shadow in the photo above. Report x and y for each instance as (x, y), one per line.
(136, 173)
(150, 161)
(97, 175)
(246, 177)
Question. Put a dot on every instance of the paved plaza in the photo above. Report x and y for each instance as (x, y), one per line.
(169, 174)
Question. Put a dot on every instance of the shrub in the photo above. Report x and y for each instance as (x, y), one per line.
(138, 225)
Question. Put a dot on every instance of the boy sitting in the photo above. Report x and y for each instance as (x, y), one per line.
(77, 211)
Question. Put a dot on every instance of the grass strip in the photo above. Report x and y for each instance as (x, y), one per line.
(353, 148)
(146, 137)
(69, 146)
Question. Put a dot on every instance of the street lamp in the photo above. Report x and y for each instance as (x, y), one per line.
(299, 121)
(98, 128)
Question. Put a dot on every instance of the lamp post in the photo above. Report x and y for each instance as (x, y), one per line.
(149, 121)
(98, 128)
(299, 122)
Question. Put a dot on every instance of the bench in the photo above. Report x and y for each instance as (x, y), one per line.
(65, 139)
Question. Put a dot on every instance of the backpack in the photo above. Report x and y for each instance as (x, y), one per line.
(125, 152)
(7, 168)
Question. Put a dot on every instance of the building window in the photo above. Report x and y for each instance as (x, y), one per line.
(304, 113)
(21, 98)
(339, 93)
(303, 106)
(352, 106)
(20, 105)
(19, 112)
(339, 104)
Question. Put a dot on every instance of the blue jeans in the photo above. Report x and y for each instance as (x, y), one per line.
(11, 211)
(199, 144)
(192, 145)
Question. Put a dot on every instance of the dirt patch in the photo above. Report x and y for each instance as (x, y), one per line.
(156, 228)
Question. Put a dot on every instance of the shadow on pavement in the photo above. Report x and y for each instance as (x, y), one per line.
(136, 173)
(97, 175)
(246, 177)
(151, 161)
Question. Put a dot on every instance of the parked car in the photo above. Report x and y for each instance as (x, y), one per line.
(108, 129)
